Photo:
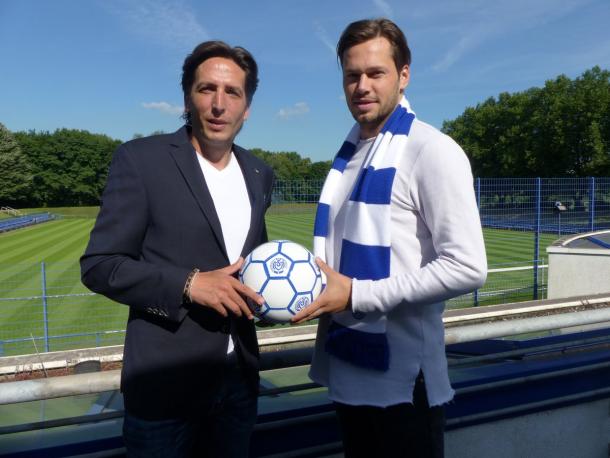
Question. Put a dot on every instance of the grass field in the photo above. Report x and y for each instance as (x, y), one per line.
(72, 310)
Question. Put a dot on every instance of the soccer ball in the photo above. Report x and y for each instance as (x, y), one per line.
(287, 277)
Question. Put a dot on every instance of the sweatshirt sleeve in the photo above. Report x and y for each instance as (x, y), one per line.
(443, 194)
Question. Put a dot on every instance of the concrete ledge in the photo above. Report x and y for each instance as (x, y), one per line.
(272, 339)
(58, 359)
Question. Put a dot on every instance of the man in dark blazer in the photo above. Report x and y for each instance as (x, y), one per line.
(178, 214)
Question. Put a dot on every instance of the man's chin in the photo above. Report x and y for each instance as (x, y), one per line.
(366, 118)
(360, 116)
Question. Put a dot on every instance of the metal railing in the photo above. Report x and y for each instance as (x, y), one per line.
(45, 307)
(463, 325)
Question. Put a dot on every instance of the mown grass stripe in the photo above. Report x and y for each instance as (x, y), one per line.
(69, 245)
(64, 252)
(37, 249)
(24, 235)
(61, 243)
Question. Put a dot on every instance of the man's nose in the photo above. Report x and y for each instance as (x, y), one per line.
(218, 102)
(363, 85)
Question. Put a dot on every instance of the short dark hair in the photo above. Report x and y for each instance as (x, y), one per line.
(216, 48)
(367, 29)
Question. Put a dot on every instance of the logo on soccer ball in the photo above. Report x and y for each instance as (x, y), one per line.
(301, 303)
(278, 265)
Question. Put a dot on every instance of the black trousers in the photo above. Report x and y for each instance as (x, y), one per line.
(402, 430)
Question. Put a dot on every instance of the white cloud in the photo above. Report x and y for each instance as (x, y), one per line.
(385, 8)
(171, 23)
(298, 109)
(323, 37)
(164, 107)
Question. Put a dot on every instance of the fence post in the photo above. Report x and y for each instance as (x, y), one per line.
(592, 204)
(45, 310)
(537, 235)
(475, 294)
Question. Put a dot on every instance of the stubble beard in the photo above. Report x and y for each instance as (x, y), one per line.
(371, 122)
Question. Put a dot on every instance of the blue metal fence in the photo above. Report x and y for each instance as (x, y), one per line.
(545, 205)
(527, 204)
(45, 307)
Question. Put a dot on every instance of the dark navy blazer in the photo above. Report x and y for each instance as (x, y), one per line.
(157, 222)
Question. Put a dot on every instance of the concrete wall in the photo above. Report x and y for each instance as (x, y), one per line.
(577, 272)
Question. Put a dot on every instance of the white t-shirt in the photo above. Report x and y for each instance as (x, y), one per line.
(230, 195)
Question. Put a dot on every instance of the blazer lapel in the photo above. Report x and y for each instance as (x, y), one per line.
(186, 160)
(253, 178)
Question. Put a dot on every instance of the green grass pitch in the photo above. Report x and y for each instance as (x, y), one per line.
(72, 310)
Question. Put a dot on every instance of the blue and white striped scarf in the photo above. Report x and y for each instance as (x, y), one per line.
(360, 338)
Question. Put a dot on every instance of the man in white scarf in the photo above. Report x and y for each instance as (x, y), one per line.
(397, 233)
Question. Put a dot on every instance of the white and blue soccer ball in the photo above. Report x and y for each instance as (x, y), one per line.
(286, 275)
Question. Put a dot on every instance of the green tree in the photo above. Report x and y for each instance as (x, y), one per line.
(286, 165)
(320, 169)
(70, 166)
(561, 129)
(15, 171)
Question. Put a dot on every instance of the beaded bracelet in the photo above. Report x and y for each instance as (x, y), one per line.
(186, 293)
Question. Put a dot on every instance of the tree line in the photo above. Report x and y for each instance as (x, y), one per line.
(69, 167)
(560, 130)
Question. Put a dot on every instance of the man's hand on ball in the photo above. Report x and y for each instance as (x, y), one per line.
(221, 291)
(336, 297)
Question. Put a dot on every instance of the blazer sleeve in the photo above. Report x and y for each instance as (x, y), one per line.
(112, 264)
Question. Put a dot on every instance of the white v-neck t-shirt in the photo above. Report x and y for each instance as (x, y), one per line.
(232, 203)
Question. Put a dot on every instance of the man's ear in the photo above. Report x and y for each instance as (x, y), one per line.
(404, 76)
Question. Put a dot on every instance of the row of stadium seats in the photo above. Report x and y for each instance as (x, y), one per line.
(22, 221)
(554, 227)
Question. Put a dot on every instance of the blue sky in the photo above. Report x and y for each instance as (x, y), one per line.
(113, 66)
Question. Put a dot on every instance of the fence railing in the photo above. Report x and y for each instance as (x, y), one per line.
(521, 215)
(46, 308)
(527, 204)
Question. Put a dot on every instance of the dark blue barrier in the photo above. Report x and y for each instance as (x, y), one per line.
(18, 222)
